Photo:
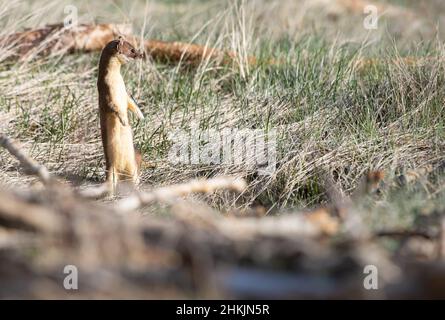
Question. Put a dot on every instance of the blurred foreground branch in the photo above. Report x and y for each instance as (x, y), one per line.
(166, 194)
(31, 166)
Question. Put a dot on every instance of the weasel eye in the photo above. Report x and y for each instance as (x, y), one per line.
(133, 51)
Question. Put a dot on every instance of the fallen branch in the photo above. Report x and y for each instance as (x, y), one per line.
(169, 193)
(95, 192)
(57, 39)
(31, 166)
(177, 257)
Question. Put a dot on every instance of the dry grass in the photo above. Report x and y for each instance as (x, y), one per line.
(344, 101)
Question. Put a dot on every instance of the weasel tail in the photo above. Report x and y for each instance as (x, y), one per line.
(121, 158)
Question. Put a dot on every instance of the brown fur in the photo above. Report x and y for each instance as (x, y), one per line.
(122, 160)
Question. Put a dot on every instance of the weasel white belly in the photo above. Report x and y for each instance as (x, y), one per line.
(118, 91)
(121, 144)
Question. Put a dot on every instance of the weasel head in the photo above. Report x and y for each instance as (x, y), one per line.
(122, 50)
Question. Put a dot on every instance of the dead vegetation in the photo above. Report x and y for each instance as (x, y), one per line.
(358, 181)
(57, 39)
(200, 252)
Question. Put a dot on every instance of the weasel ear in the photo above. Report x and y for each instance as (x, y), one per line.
(120, 42)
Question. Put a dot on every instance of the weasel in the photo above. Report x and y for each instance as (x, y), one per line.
(121, 158)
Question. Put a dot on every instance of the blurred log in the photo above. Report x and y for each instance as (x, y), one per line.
(57, 39)
(15, 214)
(325, 221)
(174, 52)
(169, 193)
(124, 256)
(95, 192)
(312, 225)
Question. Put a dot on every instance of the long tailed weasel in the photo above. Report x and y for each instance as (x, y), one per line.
(122, 159)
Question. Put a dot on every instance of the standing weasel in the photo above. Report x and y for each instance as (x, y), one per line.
(122, 159)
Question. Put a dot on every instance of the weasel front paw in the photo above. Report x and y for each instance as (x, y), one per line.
(122, 119)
